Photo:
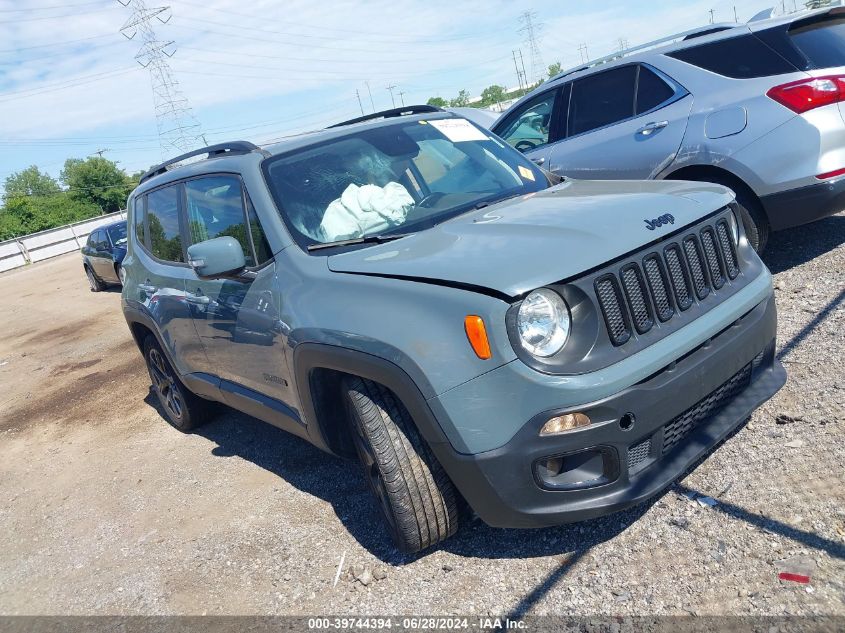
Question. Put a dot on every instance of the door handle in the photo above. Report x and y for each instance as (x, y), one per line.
(539, 161)
(652, 127)
(198, 299)
(147, 288)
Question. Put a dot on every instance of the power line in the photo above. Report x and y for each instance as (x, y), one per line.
(531, 30)
(177, 126)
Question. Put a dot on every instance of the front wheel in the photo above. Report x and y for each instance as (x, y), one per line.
(416, 497)
(183, 410)
(755, 222)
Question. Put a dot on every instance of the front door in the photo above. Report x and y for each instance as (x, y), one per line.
(237, 319)
(160, 248)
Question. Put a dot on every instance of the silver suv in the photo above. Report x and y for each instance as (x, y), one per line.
(757, 107)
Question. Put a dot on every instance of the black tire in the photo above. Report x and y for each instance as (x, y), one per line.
(416, 497)
(183, 410)
(93, 281)
(754, 221)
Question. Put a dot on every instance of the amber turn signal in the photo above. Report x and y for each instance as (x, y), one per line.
(565, 422)
(477, 335)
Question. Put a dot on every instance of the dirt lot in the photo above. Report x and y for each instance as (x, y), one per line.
(106, 509)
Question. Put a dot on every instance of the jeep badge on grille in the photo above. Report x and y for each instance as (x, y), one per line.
(666, 218)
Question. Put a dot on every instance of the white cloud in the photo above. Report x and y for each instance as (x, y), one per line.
(265, 67)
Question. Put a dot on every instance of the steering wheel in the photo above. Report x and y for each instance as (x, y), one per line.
(432, 198)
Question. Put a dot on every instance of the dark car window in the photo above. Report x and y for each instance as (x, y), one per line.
(743, 57)
(652, 91)
(602, 99)
(216, 209)
(138, 218)
(117, 234)
(163, 224)
(93, 239)
(821, 41)
(528, 128)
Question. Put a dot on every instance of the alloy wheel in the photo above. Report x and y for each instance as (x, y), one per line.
(165, 385)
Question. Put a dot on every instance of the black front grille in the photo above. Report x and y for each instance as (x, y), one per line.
(669, 281)
(682, 425)
(615, 317)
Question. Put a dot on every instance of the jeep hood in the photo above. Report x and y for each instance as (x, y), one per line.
(523, 243)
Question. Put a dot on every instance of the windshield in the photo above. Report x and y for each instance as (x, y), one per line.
(395, 179)
(117, 233)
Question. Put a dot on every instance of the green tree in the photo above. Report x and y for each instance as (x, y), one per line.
(492, 94)
(437, 102)
(31, 182)
(28, 214)
(461, 100)
(96, 180)
(554, 69)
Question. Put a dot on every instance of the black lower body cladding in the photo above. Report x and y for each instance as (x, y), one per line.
(805, 204)
(641, 439)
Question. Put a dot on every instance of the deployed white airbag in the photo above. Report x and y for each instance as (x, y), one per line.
(361, 209)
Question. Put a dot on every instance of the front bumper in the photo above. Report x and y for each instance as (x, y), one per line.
(685, 407)
(805, 204)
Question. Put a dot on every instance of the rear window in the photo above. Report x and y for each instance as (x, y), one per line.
(743, 57)
(822, 42)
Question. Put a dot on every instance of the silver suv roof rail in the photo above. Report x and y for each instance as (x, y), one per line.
(685, 35)
(231, 147)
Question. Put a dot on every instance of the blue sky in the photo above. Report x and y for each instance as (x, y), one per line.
(69, 84)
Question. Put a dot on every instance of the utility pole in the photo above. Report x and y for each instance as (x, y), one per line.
(358, 96)
(370, 92)
(100, 152)
(531, 30)
(402, 98)
(736, 19)
(585, 56)
(516, 67)
(392, 100)
(177, 126)
(712, 11)
(522, 63)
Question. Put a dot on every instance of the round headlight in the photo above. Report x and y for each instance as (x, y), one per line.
(733, 225)
(543, 322)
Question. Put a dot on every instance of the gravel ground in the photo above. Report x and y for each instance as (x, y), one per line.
(104, 509)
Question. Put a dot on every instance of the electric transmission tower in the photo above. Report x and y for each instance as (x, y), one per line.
(177, 126)
(531, 30)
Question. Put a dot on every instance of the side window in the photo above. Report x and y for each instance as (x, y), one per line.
(651, 90)
(602, 99)
(93, 239)
(528, 127)
(216, 209)
(138, 218)
(743, 57)
(165, 238)
(259, 240)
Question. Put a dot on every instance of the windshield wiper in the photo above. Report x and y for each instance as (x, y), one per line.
(366, 239)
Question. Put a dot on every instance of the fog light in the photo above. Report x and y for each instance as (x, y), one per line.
(564, 423)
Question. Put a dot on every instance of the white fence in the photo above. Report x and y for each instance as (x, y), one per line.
(45, 244)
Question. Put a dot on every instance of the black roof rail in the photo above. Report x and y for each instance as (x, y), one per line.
(232, 147)
(388, 114)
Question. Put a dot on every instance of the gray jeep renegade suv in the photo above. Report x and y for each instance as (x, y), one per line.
(409, 289)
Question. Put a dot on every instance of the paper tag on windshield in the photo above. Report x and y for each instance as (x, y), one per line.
(457, 130)
(526, 173)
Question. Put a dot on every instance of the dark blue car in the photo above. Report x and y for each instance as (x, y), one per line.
(102, 255)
